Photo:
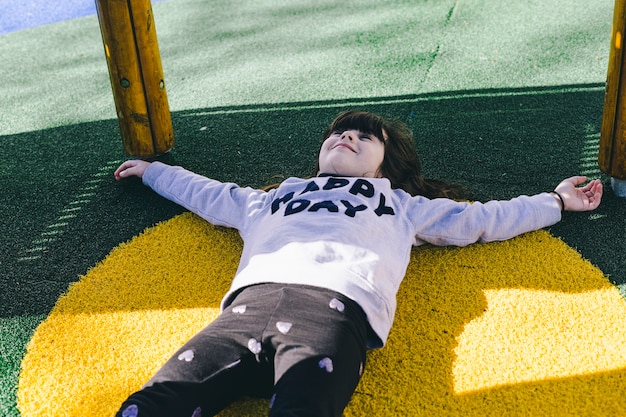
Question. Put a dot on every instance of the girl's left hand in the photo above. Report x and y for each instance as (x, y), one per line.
(583, 198)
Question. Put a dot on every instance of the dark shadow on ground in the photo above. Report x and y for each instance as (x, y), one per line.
(62, 211)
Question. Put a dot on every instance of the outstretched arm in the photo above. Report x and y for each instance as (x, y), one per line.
(576, 198)
(129, 168)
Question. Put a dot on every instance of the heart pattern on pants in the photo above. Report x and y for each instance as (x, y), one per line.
(283, 326)
(326, 364)
(337, 305)
(239, 309)
(186, 356)
(254, 346)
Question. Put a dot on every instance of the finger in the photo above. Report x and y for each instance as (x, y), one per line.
(588, 188)
(121, 170)
(577, 180)
(123, 166)
(598, 190)
(595, 194)
(593, 188)
(118, 172)
(594, 203)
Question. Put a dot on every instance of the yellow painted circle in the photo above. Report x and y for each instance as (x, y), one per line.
(524, 327)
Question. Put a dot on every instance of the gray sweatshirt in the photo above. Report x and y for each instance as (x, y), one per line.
(350, 235)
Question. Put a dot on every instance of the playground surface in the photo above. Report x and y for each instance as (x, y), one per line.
(505, 97)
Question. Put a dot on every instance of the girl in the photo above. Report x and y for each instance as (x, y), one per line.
(322, 261)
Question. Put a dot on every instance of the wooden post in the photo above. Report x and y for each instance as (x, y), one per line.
(134, 62)
(612, 155)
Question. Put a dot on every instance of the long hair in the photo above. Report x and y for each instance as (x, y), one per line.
(401, 164)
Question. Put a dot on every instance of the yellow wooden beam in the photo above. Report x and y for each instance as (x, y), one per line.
(134, 62)
(612, 155)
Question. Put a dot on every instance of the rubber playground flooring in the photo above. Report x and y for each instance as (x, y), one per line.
(505, 97)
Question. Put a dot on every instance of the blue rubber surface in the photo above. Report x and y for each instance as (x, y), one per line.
(19, 15)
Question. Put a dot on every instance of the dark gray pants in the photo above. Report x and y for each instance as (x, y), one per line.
(301, 346)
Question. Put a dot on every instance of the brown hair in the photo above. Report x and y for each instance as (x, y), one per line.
(401, 164)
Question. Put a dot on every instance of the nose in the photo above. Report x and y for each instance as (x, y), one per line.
(348, 135)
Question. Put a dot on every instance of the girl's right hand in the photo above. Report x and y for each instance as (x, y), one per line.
(131, 168)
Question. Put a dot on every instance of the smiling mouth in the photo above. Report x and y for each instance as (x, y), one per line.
(343, 145)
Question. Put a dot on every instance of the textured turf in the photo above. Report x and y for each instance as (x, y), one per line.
(504, 96)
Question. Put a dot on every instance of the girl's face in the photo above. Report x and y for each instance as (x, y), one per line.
(352, 153)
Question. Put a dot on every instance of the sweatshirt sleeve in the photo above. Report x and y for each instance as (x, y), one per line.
(446, 222)
(221, 204)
